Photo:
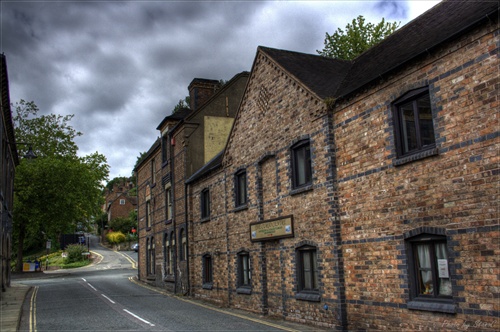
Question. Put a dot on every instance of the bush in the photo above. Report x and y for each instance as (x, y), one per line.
(115, 237)
(75, 252)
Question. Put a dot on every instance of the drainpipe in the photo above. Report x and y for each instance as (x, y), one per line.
(172, 179)
(187, 237)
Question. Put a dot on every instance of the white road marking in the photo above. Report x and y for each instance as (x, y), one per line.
(139, 318)
(107, 298)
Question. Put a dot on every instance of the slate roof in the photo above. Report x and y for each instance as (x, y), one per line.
(213, 164)
(446, 20)
(177, 116)
(337, 78)
(322, 75)
(156, 145)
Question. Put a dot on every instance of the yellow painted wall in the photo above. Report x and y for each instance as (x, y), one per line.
(216, 132)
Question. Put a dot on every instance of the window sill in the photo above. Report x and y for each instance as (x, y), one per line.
(148, 228)
(169, 221)
(416, 156)
(208, 285)
(449, 308)
(205, 219)
(313, 297)
(301, 190)
(151, 277)
(244, 290)
(240, 208)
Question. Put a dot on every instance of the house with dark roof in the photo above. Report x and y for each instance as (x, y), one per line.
(189, 139)
(8, 162)
(361, 195)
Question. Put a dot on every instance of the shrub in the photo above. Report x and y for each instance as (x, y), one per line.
(115, 237)
(75, 252)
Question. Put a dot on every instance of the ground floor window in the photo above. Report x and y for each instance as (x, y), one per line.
(244, 275)
(207, 271)
(151, 256)
(307, 273)
(429, 273)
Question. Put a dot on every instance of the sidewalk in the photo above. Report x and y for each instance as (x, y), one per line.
(11, 306)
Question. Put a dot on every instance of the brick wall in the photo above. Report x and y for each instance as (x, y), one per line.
(456, 190)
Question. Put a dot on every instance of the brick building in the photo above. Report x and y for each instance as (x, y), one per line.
(354, 195)
(8, 162)
(361, 195)
(119, 203)
(189, 138)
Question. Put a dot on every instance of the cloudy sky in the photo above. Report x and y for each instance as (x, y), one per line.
(121, 66)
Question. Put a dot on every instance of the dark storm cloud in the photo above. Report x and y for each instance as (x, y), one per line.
(121, 66)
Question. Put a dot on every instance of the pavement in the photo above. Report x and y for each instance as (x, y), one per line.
(11, 305)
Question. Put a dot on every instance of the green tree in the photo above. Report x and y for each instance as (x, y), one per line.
(357, 38)
(58, 190)
(181, 104)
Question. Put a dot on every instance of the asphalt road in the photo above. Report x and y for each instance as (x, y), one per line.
(103, 297)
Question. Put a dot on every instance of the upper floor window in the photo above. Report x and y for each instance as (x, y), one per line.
(307, 273)
(205, 203)
(149, 216)
(430, 279)
(244, 275)
(153, 171)
(240, 188)
(413, 123)
(301, 164)
(168, 201)
(164, 148)
(122, 202)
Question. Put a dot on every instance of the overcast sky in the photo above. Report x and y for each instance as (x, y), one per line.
(121, 66)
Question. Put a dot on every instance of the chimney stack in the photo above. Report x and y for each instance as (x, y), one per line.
(200, 90)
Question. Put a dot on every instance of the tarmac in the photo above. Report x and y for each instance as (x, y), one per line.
(11, 305)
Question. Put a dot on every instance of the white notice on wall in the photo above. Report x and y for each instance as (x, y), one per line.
(443, 268)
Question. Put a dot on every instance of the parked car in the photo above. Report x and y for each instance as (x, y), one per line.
(135, 247)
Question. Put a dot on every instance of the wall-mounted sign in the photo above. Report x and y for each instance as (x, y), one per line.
(272, 229)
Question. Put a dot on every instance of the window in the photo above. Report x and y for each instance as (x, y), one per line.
(430, 282)
(240, 188)
(413, 123)
(148, 213)
(164, 148)
(122, 202)
(307, 273)
(205, 204)
(166, 252)
(168, 201)
(182, 236)
(301, 164)
(171, 252)
(244, 273)
(151, 256)
(207, 272)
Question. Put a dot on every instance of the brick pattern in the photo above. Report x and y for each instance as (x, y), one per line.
(455, 190)
(364, 201)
